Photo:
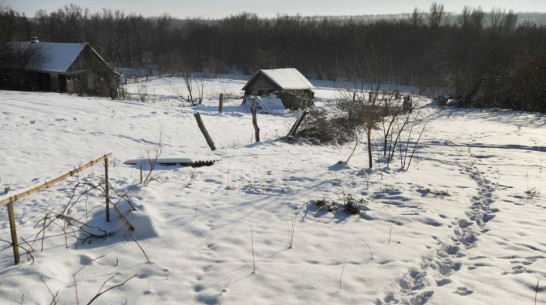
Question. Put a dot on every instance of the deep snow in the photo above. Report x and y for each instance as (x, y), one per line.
(464, 225)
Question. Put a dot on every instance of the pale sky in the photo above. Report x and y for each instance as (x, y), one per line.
(222, 8)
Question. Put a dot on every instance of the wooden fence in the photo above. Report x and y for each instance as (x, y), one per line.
(11, 199)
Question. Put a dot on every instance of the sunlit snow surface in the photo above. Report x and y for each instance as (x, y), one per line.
(464, 225)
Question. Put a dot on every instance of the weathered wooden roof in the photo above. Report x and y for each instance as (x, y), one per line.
(286, 78)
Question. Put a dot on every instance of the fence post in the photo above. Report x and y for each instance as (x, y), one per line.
(255, 120)
(204, 131)
(106, 189)
(221, 103)
(13, 229)
(10, 200)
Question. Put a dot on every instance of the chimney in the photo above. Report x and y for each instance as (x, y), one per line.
(34, 40)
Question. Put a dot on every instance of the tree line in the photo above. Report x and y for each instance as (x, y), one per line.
(485, 59)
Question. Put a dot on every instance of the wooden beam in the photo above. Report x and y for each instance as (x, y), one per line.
(204, 131)
(255, 120)
(106, 189)
(221, 103)
(296, 125)
(49, 183)
(13, 229)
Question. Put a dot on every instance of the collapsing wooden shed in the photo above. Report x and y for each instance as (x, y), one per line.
(70, 67)
(288, 84)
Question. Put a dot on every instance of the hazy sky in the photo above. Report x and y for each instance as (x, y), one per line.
(223, 8)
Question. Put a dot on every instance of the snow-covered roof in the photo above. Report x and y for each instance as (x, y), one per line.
(285, 78)
(57, 57)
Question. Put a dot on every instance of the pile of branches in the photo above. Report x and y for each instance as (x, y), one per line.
(321, 128)
(342, 124)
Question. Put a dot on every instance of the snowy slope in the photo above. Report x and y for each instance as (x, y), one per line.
(464, 225)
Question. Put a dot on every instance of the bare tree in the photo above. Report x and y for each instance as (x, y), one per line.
(388, 120)
(402, 135)
(17, 60)
(194, 82)
(436, 15)
(371, 73)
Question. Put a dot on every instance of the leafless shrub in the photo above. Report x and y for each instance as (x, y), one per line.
(194, 82)
(142, 90)
(72, 219)
(321, 203)
(72, 224)
(405, 161)
(361, 110)
(402, 137)
(152, 154)
(351, 206)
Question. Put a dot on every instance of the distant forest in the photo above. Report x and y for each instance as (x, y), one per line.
(485, 59)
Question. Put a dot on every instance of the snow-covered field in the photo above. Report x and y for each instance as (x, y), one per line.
(464, 225)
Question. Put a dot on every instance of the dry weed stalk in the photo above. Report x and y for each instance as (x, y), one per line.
(27, 251)
(70, 225)
(341, 276)
(53, 296)
(191, 178)
(537, 287)
(291, 231)
(252, 243)
(101, 292)
(73, 225)
(369, 249)
(153, 154)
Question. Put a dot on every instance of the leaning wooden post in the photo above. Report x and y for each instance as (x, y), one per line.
(254, 120)
(106, 188)
(13, 229)
(296, 125)
(221, 103)
(204, 130)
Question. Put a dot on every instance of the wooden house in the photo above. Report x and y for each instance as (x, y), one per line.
(69, 67)
(294, 90)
